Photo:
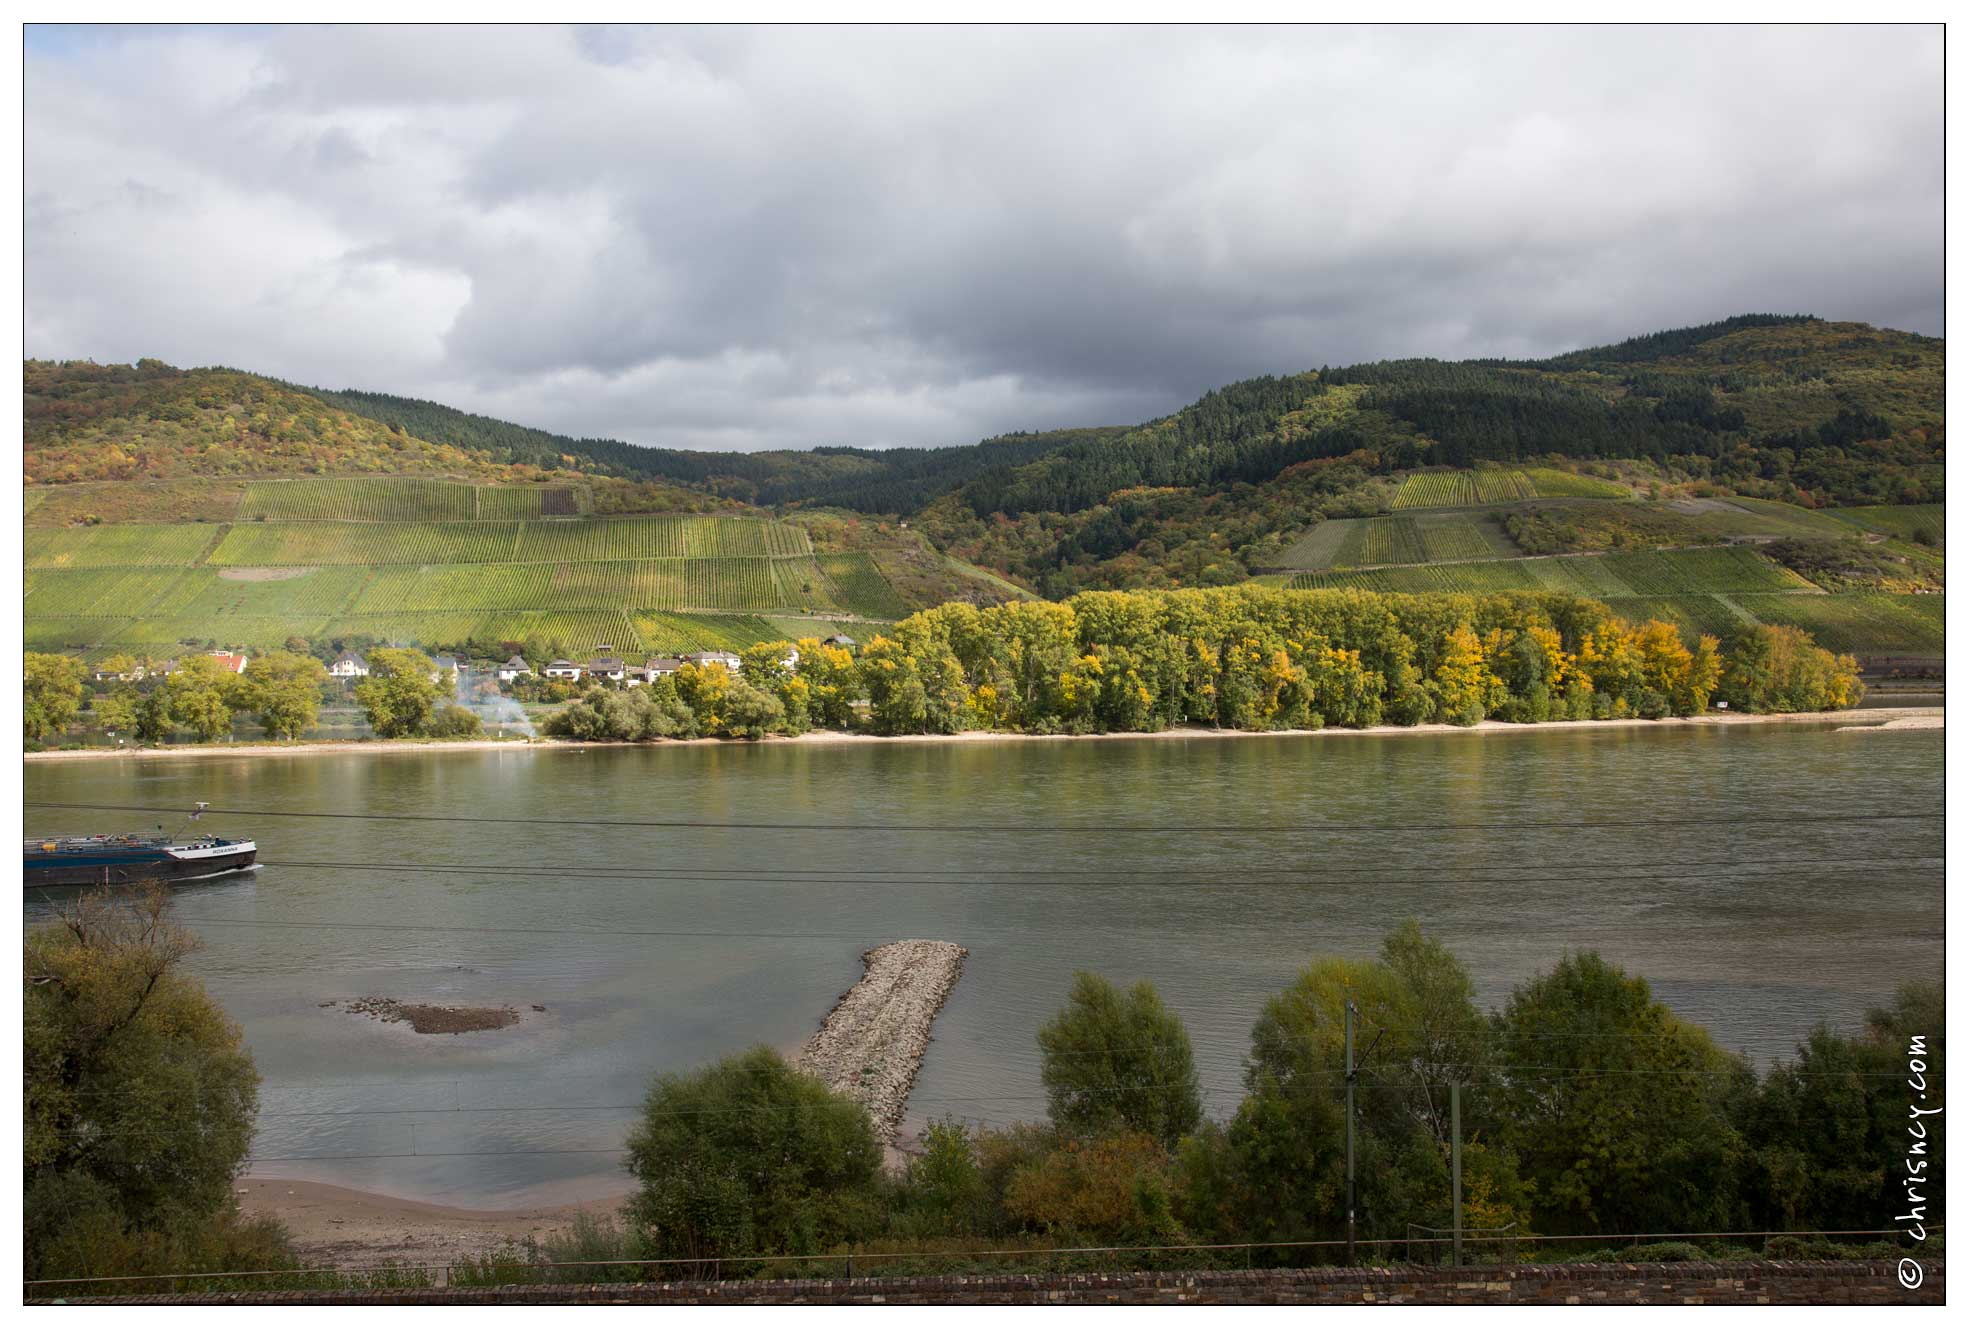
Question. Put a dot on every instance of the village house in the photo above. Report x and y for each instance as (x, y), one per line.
(565, 669)
(232, 664)
(349, 665)
(514, 668)
(842, 640)
(608, 667)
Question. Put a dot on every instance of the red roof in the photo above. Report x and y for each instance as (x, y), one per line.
(235, 664)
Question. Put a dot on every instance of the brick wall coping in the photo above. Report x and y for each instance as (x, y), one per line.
(1830, 1281)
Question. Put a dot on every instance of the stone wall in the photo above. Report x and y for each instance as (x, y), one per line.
(1762, 1282)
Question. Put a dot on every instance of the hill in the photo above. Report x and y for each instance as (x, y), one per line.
(1823, 441)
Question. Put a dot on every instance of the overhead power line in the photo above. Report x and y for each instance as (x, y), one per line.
(1747, 817)
(998, 877)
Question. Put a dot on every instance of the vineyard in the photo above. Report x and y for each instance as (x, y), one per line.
(1469, 489)
(1477, 577)
(637, 583)
(1862, 622)
(1915, 521)
(1550, 483)
(1461, 489)
(1696, 615)
(401, 498)
(859, 587)
(1655, 573)
(118, 546)
(1349, 542)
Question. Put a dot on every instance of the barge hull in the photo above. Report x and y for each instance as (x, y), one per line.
(126, 871)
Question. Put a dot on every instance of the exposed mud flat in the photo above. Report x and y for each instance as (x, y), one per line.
(429, 1019)
(871, 1044)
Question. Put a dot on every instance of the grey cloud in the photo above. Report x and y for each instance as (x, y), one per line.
(746, 238)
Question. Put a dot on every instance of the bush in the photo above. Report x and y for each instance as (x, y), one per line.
(140, 1102)
(751, 1155)
(454, 721)
(1665, 1252)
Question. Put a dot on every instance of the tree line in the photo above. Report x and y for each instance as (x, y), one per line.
(283, 690)
(1246, 658)
(1587, 1107)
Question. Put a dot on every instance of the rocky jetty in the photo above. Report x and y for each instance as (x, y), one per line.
(871, 1043)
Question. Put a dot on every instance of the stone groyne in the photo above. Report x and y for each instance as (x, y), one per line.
(871, 1043)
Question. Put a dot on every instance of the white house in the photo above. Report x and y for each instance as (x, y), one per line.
(232, 664)
(791, 659)
(514, 668)
(842, 640)
(608, 667)
(349, 665)
(566, 669)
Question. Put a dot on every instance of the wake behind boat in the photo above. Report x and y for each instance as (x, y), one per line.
(111, 860)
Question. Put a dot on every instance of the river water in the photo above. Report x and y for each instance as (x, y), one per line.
(1716, 865)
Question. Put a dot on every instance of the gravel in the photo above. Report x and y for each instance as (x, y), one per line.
(871, 1043)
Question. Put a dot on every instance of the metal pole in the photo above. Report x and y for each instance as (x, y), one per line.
(1456, 1174)
(1350, 1130)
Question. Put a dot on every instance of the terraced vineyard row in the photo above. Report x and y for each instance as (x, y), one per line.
(1366, 541)
(1862, 622)
(1461, 489)
(136, 546)
(1654, 573)
(442, 603)
(400, 499)
(860, 588)
(1468, 489)
(86, 591)
(1695, 615)
(262, 591)
(315, 544)
(327, 544)
(1551, 483)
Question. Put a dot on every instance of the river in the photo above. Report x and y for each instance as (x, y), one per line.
(1716, 866)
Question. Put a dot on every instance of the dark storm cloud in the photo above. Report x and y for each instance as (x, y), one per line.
(740, 238)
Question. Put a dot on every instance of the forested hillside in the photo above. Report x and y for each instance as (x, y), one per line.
(897, 480)
(1667, 440)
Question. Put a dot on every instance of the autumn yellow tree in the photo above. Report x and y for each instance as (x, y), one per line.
(1466, 689)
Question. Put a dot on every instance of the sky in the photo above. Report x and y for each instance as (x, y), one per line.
(748, 238)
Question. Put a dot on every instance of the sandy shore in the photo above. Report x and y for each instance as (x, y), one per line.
(1928, 717)
(334, 1226)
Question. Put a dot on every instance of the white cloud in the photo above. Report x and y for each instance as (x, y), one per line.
(745, 238)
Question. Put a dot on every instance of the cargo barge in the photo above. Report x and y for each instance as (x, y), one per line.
(114, 860)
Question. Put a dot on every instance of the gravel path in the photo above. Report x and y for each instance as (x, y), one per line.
(873, 1040)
